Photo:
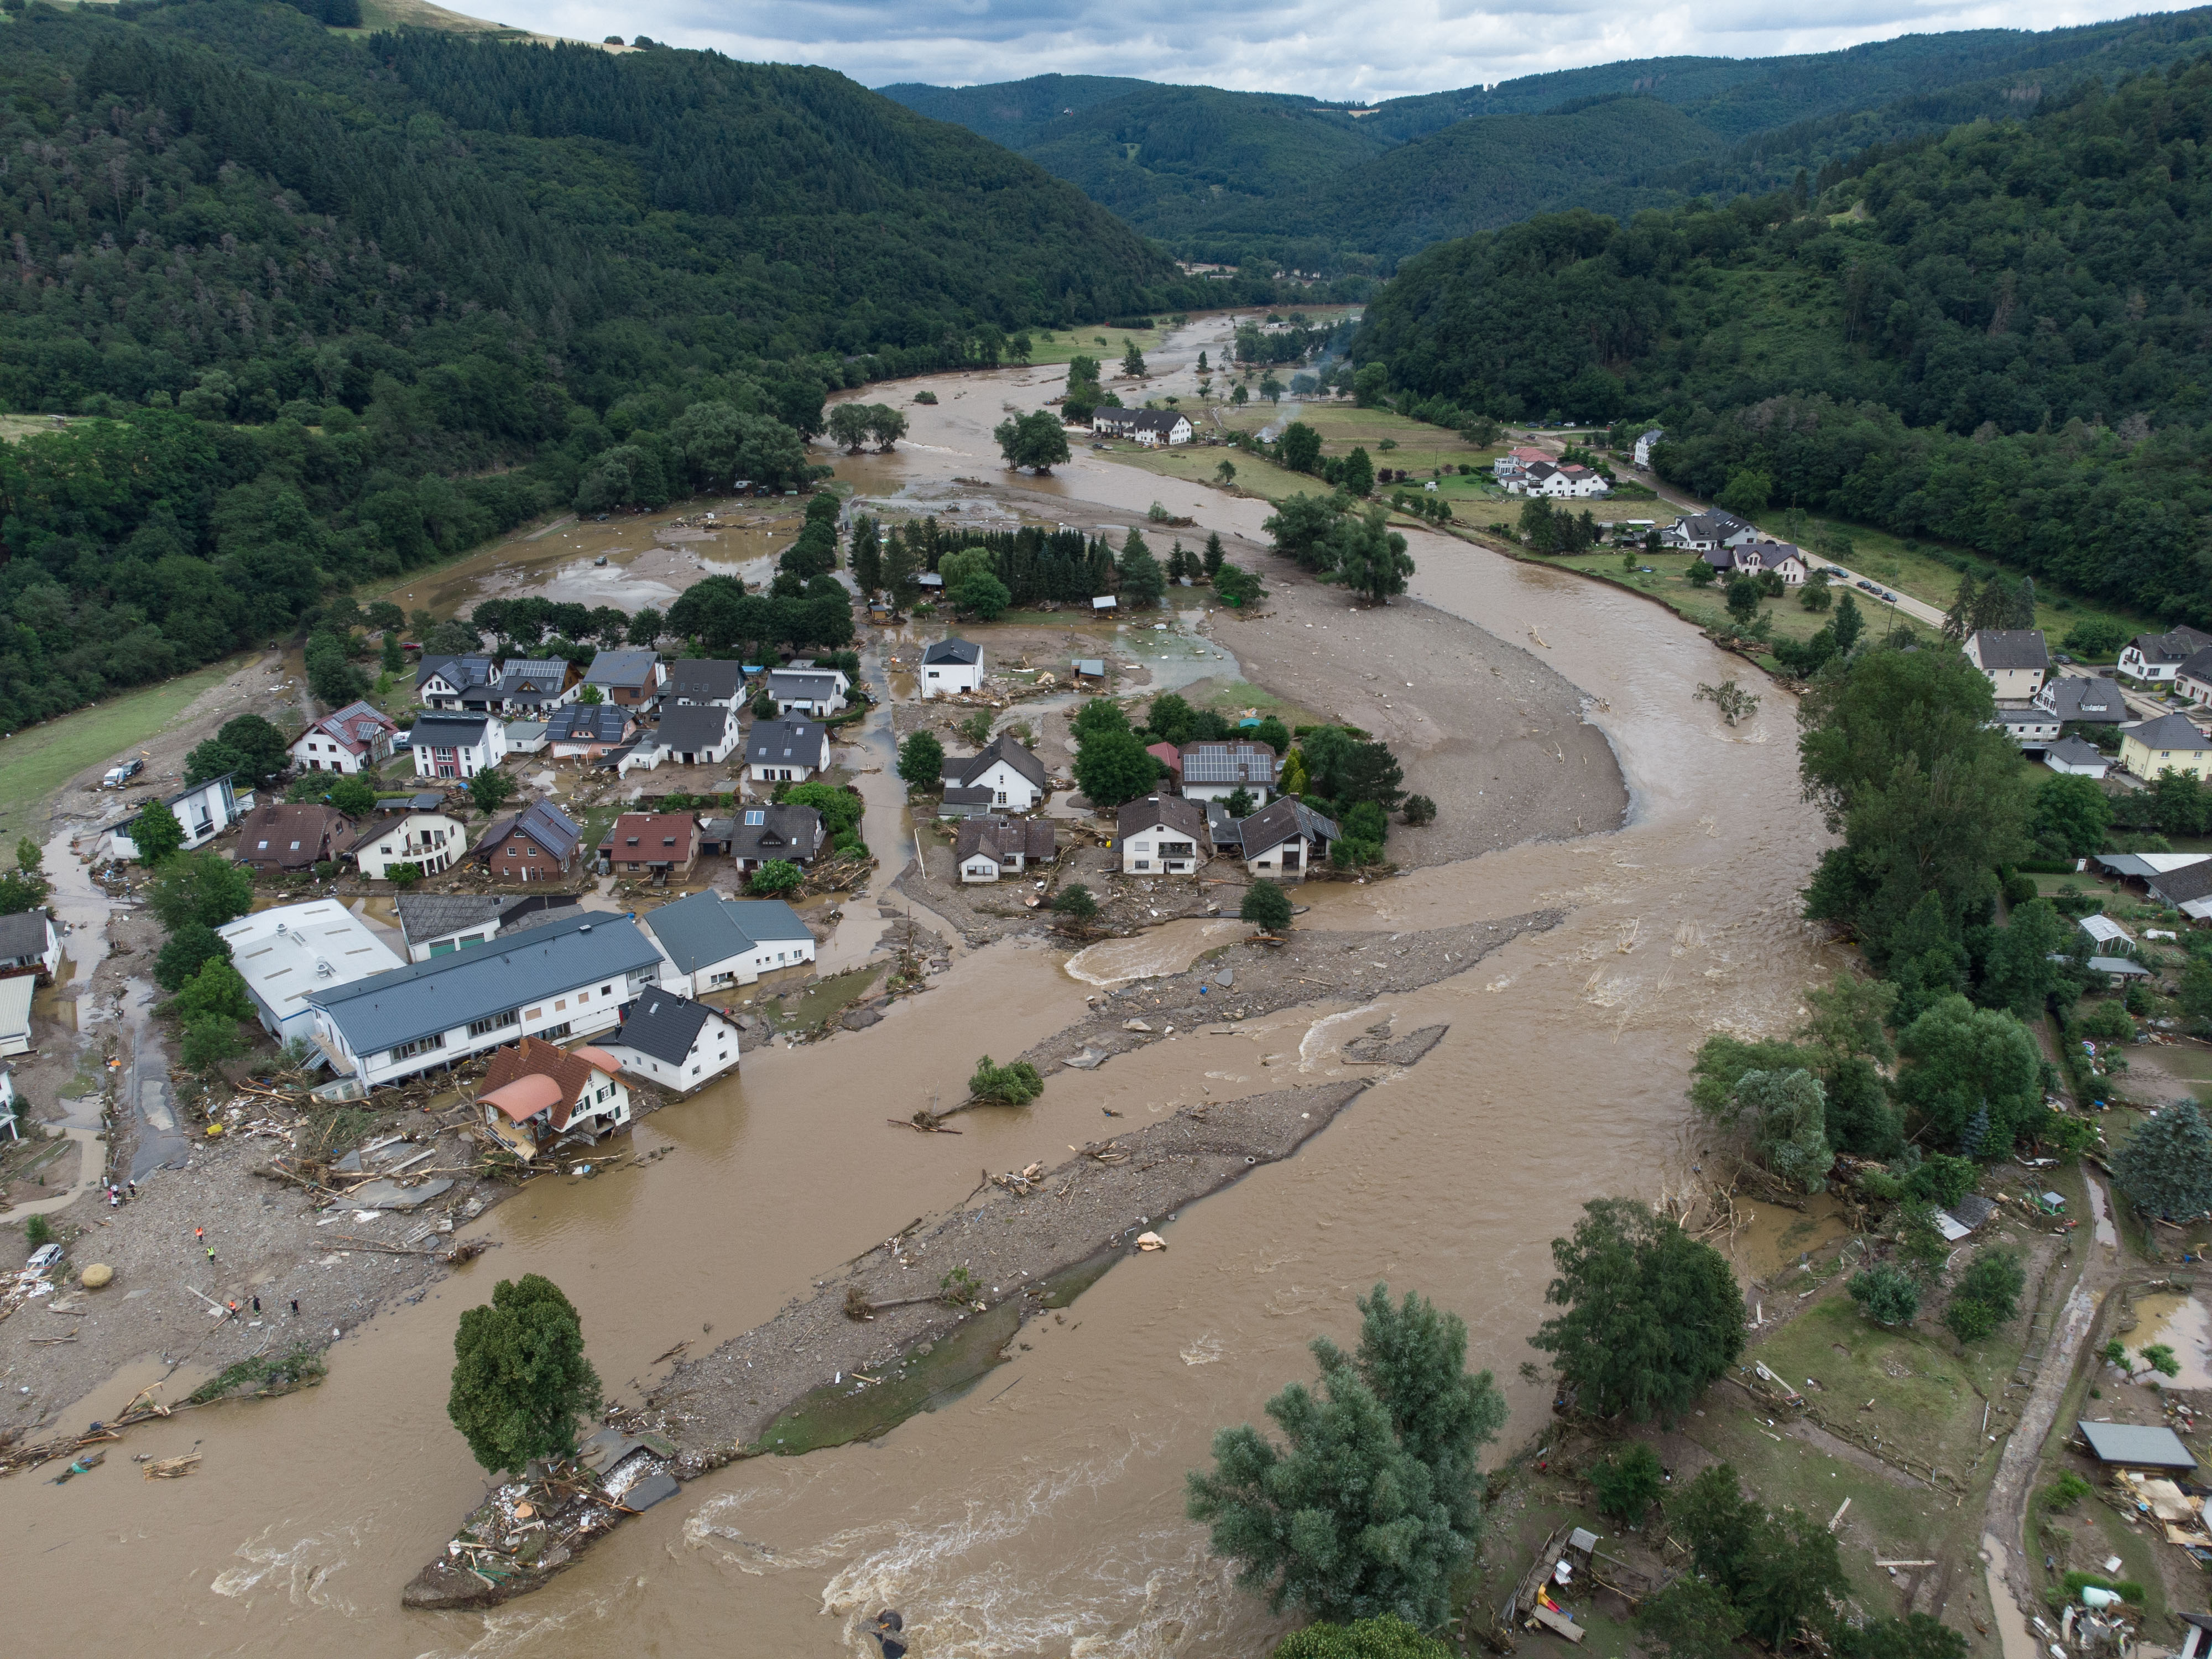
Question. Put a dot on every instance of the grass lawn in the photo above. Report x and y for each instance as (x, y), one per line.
(35, 762)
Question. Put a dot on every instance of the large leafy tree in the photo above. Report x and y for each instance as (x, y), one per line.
(521, 1380)
(1649, 1316)
(1370, 1504)
(2166, 1166)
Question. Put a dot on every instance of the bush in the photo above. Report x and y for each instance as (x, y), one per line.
(1888, 1295)
(1014, 1084)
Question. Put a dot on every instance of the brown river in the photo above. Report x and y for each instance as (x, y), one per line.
(1041, 1512)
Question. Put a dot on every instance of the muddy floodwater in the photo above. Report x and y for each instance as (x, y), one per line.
(1039, 1512)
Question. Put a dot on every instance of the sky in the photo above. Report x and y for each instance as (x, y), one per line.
(1331, 49)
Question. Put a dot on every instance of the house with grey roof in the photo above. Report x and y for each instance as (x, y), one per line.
(786, 751)
(701, 682)
(805, 688)
(1008, 768)
(2014, 658)
(1217, 770)
(438, 924)
(568, 978)
(948, 666)
(630, 678)
(710, 942)
(680, 1044)
(698, 734)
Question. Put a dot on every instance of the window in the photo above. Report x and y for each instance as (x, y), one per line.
(420, 1046)
(491, 1023)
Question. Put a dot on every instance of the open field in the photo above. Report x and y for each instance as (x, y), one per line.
(34, 764)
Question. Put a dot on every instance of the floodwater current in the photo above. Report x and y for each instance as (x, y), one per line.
(1041, 1513)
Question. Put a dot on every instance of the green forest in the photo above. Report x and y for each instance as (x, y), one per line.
(2000, 337)
(328, 308)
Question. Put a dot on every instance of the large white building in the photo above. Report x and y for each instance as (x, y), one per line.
(288, 954)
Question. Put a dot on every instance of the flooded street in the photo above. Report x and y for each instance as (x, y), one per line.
(1041, 1511)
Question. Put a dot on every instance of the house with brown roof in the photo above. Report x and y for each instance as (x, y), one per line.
(286, 836)
(991, 847)
(535, 1095)
(1163, 835)
(650, 843)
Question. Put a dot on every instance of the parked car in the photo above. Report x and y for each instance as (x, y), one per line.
(120, 774)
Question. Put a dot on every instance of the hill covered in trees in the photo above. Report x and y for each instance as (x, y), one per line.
(1263, 177)
(2001, 336)
(343, 305)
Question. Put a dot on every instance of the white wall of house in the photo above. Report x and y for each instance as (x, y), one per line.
(430, 841)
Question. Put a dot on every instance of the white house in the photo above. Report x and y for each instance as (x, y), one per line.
(2159, 657)
(990, 846)
(678, 1043)
(205, 810)
(288, 954)
(1645, 443)
(951, 664)
(1149, 427)
(357, 739)
(563, 979)
(807, 688)
(1014, 775)
(456, 745)
(430, 841)
(698, 734)
(708, 943)
(786, 752)
(2014, 658)
(1163, 835)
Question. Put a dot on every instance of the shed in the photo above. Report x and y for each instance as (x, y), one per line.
(2137, 1445)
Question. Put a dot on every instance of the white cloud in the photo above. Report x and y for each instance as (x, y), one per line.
(1326, 48)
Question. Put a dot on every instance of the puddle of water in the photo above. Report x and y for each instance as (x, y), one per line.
(2182, 1324)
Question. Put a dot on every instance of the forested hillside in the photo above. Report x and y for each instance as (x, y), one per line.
(351, 305)
(1257, 177)
(2002, 337)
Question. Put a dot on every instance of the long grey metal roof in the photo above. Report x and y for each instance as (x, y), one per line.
(2138, 1445)
(424, 998)
(706, 928)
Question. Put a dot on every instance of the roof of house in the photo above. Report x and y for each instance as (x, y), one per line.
(292, 835)
(524, 1080)
(952, 649)
(1240, 761)
(287, 953)
(2167, 733)
(461, 672)
(964, 770)
(651, 837)
(25, 934)
(1001, 839)
(2074, 752)
(2176, 646)
(774, 830)
(2191, 881)
(425, 998)
(626, 667)
(2139, 1446)
(1183, 816)
(665, 1025)
(694, 726)
(2011, 648)
(705, 928)
(444, 729)
(2083, 697)
(701, 679)
(772, 742)
(593, 722)
(1280, 821)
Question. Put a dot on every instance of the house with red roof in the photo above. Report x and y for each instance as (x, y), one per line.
(535, 1096)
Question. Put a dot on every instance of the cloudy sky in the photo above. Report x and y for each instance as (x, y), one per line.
(1334, 49)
